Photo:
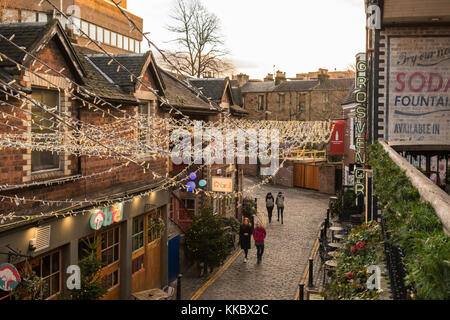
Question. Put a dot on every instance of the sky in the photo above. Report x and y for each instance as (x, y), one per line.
(296, 36)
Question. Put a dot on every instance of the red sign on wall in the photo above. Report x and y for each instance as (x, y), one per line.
(337, 137)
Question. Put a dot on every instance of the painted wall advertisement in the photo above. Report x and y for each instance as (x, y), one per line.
(418, 86)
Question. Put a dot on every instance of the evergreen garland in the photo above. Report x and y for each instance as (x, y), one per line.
(414, 226)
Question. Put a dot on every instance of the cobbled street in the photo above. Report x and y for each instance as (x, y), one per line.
(287, 249)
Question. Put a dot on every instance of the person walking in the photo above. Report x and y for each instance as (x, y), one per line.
(244, 236)
(270, 203)
(259, 234)
(280, 205)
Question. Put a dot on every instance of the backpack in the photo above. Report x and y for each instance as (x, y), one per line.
(269, 202)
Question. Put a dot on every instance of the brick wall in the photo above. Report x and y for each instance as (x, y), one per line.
(15, 164)
(327, 179)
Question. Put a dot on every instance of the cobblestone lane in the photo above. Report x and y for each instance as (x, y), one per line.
(287, 249)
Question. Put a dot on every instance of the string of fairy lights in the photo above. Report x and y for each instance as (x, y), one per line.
(293, 135)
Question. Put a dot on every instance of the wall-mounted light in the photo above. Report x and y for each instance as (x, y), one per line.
(32, 244)
(435, 19)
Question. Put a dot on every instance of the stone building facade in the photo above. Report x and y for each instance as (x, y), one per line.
(300, 100)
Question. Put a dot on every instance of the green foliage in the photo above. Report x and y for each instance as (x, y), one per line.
(363, 247)
(30, 286)
(206, 241)
(414, 227)
(92, 287)
(248, 207)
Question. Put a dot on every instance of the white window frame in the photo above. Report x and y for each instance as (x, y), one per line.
(126, 43)
(100, 34)
(120, 41)
(107, 36)
(113, 39)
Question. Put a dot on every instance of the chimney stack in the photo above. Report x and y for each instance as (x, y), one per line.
(269, 77)
(280, 77)
(241, 78)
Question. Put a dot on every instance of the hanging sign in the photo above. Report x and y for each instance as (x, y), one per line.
(337, 137)
(9, 277)
(221, 184)
(106, 216)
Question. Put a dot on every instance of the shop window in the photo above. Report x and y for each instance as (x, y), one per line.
(155, 225)
(42, 123)
(110, 246)
(48, 268)
(111, 280)
(138, 233)
(137, 264)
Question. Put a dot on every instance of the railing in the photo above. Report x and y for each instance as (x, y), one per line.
(427, 189)
(309, 156)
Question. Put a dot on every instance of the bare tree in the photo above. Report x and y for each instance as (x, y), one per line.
(201, 48)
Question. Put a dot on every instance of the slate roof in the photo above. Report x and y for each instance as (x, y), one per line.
(25, 35)
(96, 81)
(182, 97)
(255, 87)
(133, 62)
(335, 84)
(237, 96)
(296, 85)
(212, 88)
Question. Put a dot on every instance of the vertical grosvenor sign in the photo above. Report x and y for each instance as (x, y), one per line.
(360, 126)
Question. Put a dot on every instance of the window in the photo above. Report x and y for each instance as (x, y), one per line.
(100, 34)
(120, 41)
(92, 31)
(83, 248)
(125, 43)
(85, 27)
(41, 124)
(131, 45)
(110, 246)
(107, 39)
(282, 100)
(189, 205)
(138, 234)
(42, 17)
(146, 112)
(113, 39)
(111, 280)
(138, 46)
(155, 225)
(260, 103)
(48, 268)
(137, 264)
(28, 16)
(10, 15)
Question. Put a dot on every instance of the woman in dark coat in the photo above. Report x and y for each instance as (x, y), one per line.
(244, 236)
(270, 202)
